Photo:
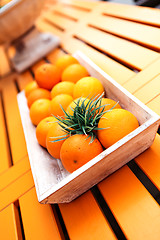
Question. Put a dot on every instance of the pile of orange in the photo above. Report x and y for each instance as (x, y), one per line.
(54, 93)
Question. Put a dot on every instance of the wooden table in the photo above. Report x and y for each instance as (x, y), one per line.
(125, 42)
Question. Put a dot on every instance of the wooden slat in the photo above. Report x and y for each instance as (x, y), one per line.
(127, 52)
(16, 189)
(133, 207)
(74, 13)
(45, 26)
(15, 131)
(149, 162)
(143, 77)
(86, 5)
(149, 91)
(84, 220)
(13, 173)
(154, 104)
(10, 225)
(123, 50)
(136, 32)
(5, 161)
(4, 63)
(145, 15)
(38, 220)
(60, 21)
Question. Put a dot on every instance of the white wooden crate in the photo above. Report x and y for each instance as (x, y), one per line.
(52, 182)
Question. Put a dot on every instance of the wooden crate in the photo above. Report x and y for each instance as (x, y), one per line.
(53, 183)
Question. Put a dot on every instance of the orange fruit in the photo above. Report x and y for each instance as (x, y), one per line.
(73, 104)
(30, 87)
(39, 110)
(42, 129)
(88, 87)
(61, 100)
(74, 72)
(62, 87)
(117, 123)
(36, 94)
(78, 150)
(109, 103)
(47, 75)
(55, 133)
(65, 61)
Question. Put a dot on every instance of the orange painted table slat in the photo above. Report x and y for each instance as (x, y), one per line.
(13, 120)
(4, 66)
(123, 50)
(4, 148)
(40, 213)
(135, 210)
(145, 35)
(154, 104)
(145, 15)
(149, 162)
(84, 219)
(10, 225)
(143, 78)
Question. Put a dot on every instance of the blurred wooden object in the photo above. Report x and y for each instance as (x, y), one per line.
(30, 48)
(17, 17)
(30, 45)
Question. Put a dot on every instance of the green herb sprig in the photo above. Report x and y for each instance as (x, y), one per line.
(84, 119)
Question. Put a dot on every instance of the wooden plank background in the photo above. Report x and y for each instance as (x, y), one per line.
(125, 42)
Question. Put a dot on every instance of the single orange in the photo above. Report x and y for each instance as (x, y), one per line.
(55, 133)
(65, 61)
(47, 75)
(30, 87)
(78, 150)
(39, 110)
(88, 87)
(42, 129)
(62, 87)
(74, 72)
(36, 94)
(116, 124)
(59, 101)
